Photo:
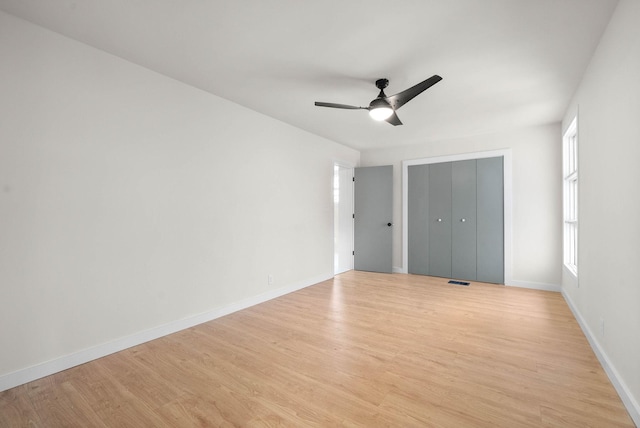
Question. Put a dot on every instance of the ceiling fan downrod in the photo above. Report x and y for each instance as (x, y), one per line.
(381, 84)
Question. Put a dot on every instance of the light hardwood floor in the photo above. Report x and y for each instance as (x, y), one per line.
(360, 350)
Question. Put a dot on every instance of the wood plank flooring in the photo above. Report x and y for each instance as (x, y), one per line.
(362, 349)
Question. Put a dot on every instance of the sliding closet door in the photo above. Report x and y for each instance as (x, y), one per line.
(439, 220)
(490, 211)
(463, 221)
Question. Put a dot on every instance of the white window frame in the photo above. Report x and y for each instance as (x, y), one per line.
(570, 196)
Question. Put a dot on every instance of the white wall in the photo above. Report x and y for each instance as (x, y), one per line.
(608, 290)
(537, 203)
(129, 200)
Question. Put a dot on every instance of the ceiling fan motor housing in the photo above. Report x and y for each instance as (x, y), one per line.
(379, 103)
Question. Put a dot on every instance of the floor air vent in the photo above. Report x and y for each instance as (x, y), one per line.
(458, 282)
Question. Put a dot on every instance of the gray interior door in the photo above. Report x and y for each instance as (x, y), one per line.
(463, 221)
(418, 219)
(490, 211)
(373, 231)
(439, 262)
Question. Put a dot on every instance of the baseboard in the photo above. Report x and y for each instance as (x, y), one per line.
(534, 285)
(627, 398)
(20, 377)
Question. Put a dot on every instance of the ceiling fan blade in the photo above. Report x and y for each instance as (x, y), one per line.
(394, 119)
(401, 98)
(334, 105)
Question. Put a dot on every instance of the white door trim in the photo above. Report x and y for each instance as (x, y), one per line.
(343, 204)
(508, 213)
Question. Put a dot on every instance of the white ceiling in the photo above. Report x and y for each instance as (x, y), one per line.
(505, 63)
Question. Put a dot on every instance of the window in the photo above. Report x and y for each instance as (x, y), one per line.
(570, 174)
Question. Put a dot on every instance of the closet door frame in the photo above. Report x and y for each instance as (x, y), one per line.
(508, 213)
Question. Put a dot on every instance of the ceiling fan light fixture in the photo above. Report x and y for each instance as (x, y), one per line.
(380, 110)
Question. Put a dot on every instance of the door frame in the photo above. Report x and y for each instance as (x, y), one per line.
(349, 203)
(508, 212)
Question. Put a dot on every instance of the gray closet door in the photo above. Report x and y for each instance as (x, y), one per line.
(417, 219)
(490, 230)
(463, 221)
(439, 220)
(456, 220)
(373, 234)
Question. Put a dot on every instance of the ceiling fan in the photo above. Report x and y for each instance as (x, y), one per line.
(384, 107)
